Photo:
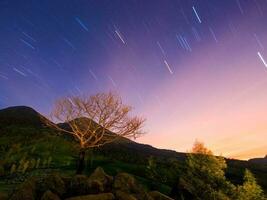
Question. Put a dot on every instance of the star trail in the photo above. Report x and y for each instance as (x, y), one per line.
(183, 64)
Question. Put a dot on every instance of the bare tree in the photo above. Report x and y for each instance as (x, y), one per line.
(94, 121)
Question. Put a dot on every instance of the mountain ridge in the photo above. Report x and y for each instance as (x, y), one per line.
(25, 115)
(23, 125)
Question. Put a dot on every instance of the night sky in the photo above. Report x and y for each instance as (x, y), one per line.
(195, 69)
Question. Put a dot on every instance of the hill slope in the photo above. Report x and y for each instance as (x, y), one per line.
(259, 160)
(23, 116)
(20, 115)
(23, 126)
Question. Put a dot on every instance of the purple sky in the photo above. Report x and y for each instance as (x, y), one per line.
(195, 69)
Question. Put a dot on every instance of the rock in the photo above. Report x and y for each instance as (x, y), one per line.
(159, 196)
(142, 196)
(66, 180)
(25, 191)
(48, 195)
(52, 182)
(120, 195)
(79, 185)
(100, 179)
(103, 196)
(2, 170)
(3, 196)
(124, 182)
(95, 186)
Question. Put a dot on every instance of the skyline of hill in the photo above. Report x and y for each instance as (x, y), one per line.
(25, 115)
(22, 126)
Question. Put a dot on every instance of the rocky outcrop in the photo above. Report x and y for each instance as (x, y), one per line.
(98, 186)
(26, 191)
(158, 196)
(3, 196)
(124, 182)
(100, 181)
(78, 185)
(52, 182)
(124, 196)
(48, 195)
(103, 196)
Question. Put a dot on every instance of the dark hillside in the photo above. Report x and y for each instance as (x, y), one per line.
(20, 115)
(259, 160)
(23, 135)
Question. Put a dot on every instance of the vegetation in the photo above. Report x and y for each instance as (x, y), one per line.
(31, 149)
(250, 189)
(204, 178)
(204, 174)
(94, 121)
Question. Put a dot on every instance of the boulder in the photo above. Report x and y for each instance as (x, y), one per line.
(67, 181)
(103, 196)
(2, 170)
(120, 195)
(95, 187)
(143, 196)
(48, 195)
(78, 185)
(26, 191)
(124, 182)
(3, 196)
(100, 180)
(52, 182)
(159, 196)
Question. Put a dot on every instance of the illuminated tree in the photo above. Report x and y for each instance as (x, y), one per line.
(250, 190)
(94, 121)
(204, 176)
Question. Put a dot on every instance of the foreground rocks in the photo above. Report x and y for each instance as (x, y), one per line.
(103, 196)
(98, 186)
(158, 196)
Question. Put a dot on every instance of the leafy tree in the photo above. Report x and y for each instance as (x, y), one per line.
(250, 190)
(94, 121)
(204, 176)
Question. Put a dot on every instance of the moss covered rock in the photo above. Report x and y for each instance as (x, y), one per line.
(124, 182)
(96, 186)
(159, 196)
(25, 191)
(52, 182)
(3, 196)
(120, 195)
(79, 185)
(48, 195)
(100, 180)
(2, 170)
(104, 196)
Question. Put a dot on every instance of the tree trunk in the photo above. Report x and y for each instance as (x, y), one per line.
(80, 162)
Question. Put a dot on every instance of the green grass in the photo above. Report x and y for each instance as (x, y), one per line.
(33, 143)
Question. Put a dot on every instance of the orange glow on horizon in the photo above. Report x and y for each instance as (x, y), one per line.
(229, 117)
